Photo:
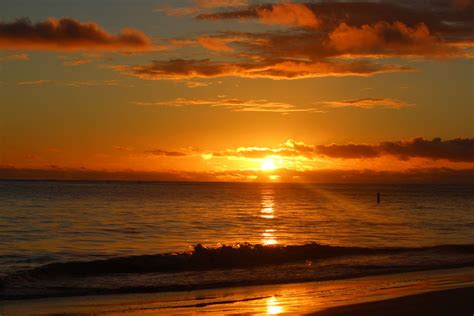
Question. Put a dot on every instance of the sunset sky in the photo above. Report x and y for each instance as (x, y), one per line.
(237, 90)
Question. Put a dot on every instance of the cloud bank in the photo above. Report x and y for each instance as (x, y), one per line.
(67, 34)
(318, 39)
(426, 175)
(454, 150)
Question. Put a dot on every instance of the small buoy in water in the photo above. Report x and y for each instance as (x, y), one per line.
(378, 197)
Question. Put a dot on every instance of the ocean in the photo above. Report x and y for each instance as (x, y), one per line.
(61, 238)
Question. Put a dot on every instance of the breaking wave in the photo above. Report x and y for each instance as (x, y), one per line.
(225, 257)
(209, 268)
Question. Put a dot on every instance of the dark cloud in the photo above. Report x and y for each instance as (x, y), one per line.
(67, 34)
(455, 150)
(287, 13)
(425, 175)
(440, 16)
(381, 39)
(198, 6)
(329, 38)
(388, 39)
(166, 153)
(458, 149)
(349, 151)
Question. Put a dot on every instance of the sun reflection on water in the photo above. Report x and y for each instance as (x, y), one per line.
(267, 212)
(269, 238)
(273, 307)
(267, 207)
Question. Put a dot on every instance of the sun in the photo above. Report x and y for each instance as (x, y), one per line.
(268, 164)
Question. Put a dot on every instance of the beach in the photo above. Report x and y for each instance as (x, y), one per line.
(414, 293)
(438, 303)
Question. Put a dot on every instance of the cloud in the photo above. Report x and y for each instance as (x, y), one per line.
(249, 105)
(178, 11)
(290, 14)
(463, 4)
(285, 13)
(455, 150)
(199, 6)
(166, 153)
(440, 16)
(14, 57)
(458, 149)
(374, 41)
(348, 151)
(34, 82)
(70, 83)
(214, 43)
(221, 3)
(75, 61)
(67, 34)
(237, 105)
(293, 148)
(271, 69)
(123, 148)
(325, 39)
(385, 39)
(367, 103)
(258, 152)
(379, 29)
(423, 175)
(198, 84)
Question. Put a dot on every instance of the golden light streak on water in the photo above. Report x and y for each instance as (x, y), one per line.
(273, 307)
(267, 212)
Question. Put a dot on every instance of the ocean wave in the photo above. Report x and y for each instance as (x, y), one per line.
(205, 268)
(225, 257)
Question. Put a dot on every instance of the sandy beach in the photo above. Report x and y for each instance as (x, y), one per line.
(437, 292)
(438, 303)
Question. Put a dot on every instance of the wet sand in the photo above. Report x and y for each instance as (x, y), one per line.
(435, 292)
(438, 303)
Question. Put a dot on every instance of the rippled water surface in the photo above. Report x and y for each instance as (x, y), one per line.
(43, 222)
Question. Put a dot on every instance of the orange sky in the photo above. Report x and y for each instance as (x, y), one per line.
(237, 90)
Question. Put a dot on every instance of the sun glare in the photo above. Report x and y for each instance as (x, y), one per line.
(268, 164)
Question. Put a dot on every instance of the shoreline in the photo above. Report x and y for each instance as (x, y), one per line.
(184, 288)
(296, 298)
(225, 267)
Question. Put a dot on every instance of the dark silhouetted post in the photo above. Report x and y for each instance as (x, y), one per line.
(378, 197)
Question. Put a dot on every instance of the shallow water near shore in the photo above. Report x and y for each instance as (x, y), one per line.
(79, 238)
